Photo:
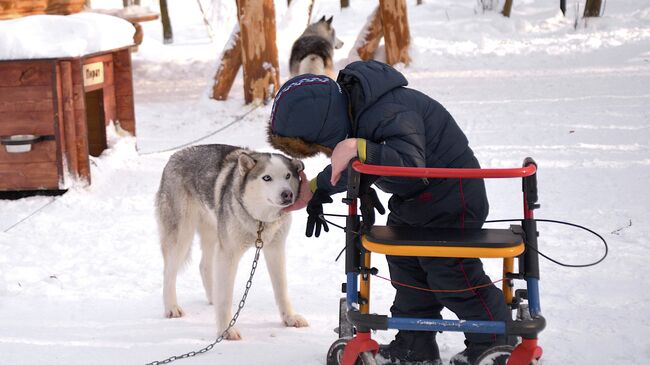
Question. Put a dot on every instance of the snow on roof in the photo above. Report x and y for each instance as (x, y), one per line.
(54, 36)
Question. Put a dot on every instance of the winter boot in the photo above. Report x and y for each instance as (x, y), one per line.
(410, 348)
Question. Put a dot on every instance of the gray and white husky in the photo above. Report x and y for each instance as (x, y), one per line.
(223, 193)
(313, 51)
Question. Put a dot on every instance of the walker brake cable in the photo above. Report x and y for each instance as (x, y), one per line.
(601, 259)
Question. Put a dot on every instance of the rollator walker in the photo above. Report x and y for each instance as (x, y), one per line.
(355, 345)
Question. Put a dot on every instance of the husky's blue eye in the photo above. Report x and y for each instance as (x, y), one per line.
(267, 178)
(288, 176)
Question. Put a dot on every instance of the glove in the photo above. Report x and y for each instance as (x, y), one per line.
(369, 202)
(314, 211)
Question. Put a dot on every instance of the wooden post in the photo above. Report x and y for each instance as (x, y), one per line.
(370, 35)
(168, 36)
(259, 51)
(124, 99)
(396, 31)
(345, 4)
(592, 8)
(231, 60)
(68, 117)
(507, 8)
(563, 6)
(80, 124)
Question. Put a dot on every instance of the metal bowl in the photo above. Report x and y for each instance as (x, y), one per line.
(19, 143)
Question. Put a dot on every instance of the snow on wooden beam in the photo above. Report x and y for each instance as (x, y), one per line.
(396, 31)
(259, 51)
(369, 37)
(231, 60)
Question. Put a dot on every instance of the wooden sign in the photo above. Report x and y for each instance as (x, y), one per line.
(93, 73)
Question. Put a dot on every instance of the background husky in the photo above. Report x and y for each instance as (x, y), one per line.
(223, 192)
(313, 51)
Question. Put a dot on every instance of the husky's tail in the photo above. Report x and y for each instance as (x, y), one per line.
(312, 64)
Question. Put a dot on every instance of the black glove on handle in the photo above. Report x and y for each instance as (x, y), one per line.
(315, 210)
(369, 202)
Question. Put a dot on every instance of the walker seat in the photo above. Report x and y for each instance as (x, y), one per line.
(445, 242)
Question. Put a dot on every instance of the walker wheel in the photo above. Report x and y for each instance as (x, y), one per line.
(502, 353)
(495, 355)
(335, 354)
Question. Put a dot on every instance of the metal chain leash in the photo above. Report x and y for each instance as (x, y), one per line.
(258, 247)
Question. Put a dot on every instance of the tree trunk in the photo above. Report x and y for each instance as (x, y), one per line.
(369, 37)
(259, 51)
(396, 31)
(230, 64)
(563, 6)
(168, 36)
(592, 8)
(345, 3)
(507, 7)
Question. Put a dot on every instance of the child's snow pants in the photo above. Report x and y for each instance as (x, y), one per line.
(464, 204)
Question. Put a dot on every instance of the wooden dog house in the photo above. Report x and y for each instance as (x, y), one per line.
(53, 116)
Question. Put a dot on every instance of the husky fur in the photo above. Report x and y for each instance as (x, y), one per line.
(222, 193)
(313, 51)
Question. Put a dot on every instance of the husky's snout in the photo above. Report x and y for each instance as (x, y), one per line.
(287, 197)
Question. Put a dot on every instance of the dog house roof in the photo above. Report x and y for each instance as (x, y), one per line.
(58, 36)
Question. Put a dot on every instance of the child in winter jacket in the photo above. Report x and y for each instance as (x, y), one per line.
(369, 114)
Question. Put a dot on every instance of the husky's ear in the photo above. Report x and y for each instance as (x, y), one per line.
(297, 164)
(245, 163)
(322, 19)
(329, 21)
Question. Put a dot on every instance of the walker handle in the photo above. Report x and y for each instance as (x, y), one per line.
(428, 172)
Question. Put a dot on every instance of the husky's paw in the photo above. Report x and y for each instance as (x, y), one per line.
(233, 334)
(295, 320)
(174, 311)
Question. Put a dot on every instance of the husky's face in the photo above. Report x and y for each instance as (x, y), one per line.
(272, 182)
(323, 28)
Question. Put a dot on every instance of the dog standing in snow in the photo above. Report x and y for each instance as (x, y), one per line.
(313, 51)
(223, 193)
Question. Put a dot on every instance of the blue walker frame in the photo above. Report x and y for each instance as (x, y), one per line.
(355, 344)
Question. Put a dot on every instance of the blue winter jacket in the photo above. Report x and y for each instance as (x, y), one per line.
(395, 126)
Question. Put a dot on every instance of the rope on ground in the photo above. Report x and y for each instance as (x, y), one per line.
(30, 215)
(237, 120)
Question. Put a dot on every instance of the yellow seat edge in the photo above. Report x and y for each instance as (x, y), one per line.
(440, 251)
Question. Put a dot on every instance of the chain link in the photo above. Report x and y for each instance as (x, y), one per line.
(258, 247)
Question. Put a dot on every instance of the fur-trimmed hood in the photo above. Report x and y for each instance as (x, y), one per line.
(309, 115)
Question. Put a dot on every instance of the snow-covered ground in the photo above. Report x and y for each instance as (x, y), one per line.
(81, 280)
